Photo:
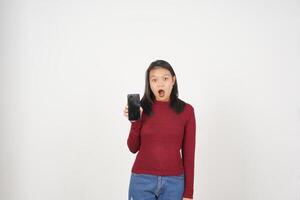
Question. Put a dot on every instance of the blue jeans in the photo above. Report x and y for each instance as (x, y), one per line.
(152, 187)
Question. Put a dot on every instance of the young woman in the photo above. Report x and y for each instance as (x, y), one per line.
(167, 125)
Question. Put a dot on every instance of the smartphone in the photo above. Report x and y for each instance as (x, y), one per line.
(133, 101)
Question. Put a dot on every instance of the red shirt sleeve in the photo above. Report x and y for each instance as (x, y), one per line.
(133, 140)
(188, 153)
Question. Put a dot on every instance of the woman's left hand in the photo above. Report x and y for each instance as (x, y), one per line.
(187, 199)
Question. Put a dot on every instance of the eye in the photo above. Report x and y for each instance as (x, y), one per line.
(153, 80)
(166, 78)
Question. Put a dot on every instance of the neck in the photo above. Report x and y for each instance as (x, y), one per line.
(162, 102)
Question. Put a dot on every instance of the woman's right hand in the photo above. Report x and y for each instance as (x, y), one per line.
(125, 111)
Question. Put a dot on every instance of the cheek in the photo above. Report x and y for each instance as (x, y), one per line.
(170, 87)
(152, 88)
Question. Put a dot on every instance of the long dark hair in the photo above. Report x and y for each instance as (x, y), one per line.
(148, 99)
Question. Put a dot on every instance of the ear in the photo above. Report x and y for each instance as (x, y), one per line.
(174, 78)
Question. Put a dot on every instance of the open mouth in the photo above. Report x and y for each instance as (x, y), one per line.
(161, 92)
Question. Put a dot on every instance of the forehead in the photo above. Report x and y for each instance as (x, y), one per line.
(159, 72)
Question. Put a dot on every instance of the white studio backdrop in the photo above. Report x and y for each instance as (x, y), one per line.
(67, 66)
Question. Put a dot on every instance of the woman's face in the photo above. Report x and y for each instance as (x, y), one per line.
(161, 83)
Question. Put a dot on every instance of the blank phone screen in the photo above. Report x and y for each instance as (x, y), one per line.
(133, 101)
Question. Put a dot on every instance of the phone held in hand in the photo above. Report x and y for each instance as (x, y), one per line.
(133, 101)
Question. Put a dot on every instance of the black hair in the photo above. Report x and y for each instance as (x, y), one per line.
(148, 99)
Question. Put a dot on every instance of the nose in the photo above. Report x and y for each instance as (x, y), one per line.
(160, 82)
(160, 85)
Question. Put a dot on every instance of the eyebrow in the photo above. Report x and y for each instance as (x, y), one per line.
(162, 75)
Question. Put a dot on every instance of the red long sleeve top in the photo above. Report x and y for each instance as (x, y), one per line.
(158, 140)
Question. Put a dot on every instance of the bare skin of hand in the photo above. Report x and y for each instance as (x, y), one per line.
(187, 199)
(125, 111)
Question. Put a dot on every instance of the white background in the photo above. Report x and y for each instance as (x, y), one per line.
(66, 67)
